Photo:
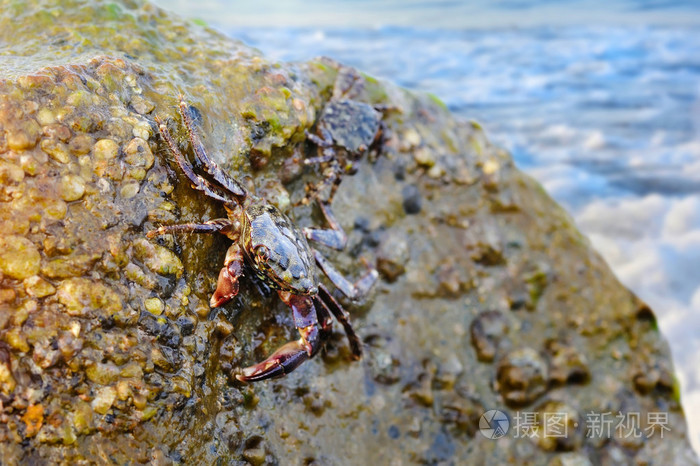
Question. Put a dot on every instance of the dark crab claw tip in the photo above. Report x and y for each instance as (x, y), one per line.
(282, 362)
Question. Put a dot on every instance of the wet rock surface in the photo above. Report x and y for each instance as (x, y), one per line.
(487, 330)
(109, 351)
(521, 377)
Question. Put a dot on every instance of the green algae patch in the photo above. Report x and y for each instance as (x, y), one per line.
(109, 350)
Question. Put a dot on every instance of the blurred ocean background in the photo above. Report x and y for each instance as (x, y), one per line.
(598, 100)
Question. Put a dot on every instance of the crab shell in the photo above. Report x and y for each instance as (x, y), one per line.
(279, 250)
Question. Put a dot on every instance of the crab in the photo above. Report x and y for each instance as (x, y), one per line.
(270, 244)
(346, 130)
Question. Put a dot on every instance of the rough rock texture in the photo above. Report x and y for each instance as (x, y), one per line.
(489, 297)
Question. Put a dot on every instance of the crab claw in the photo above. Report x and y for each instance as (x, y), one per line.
(312, 330)
(281, 362)
(227, 284)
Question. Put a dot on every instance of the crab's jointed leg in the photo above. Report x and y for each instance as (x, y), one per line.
(328, 302)
(332, 173)
(227, 284)
(314, 326)
(197, 181)
(334, 237)
(320, 159)
(221, 177)
(352, 290)
(334, 180)
(220, 225)
(325, 141)
(331, 178)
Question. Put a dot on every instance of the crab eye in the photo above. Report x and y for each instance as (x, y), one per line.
(262, 252)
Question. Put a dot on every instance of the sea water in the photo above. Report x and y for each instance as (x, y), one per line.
(599, 101)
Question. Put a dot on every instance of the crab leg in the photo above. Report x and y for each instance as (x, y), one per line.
(331, 179)
(197, 181)
(335, 179)
(325, 140)
(212, 226)
(227, 284)
(320, 159)
(334, 237)
(329, 303)
(352, 290)
(288, 357)
(210, 166)
(346, 80)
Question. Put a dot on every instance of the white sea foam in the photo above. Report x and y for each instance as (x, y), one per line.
(653, 244)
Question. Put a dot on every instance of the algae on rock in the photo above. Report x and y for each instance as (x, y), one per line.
(109, 351)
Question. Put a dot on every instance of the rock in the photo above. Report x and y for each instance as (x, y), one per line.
(55, 130)
(255, 456)
(521, 376)
(102, 373)
(424, 157)
(24, 136)
(7, 381)
(384, 366)
(461, 413)
(412, 199)
(570, 459)
(111, 333)
(487, 329)
(567, 364)
(105, 149)
(559, 427)
(80, 296)
(72, 188)
(81, 144)
(157, 258)
(19, 258)
(141, 105)
(138, 154)
(129, 189)
(33, 419)
(104, 399)
(392, 256)
(38, 287)
(10, 173)
(154, 305)
(56, 149)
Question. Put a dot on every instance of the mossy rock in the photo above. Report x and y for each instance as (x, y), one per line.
(109, 351)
